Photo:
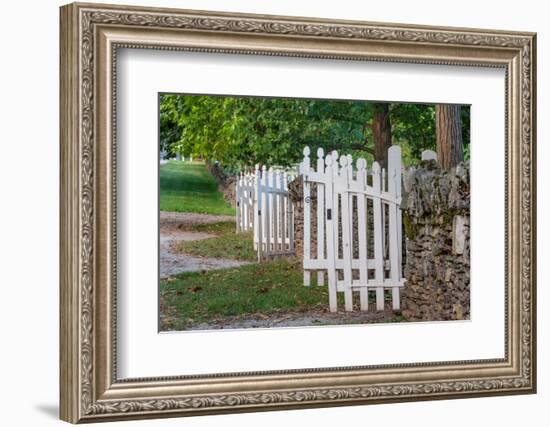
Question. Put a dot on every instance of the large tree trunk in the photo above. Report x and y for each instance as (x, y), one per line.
(448, 128)
(381, 133)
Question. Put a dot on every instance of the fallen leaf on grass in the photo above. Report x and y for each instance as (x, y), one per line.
(194, 288)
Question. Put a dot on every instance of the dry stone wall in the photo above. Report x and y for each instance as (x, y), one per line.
(226, 182)
(436, 218)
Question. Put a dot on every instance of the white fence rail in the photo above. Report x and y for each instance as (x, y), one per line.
(358, 233)
(263, 205)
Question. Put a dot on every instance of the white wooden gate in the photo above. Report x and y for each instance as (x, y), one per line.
(264, 206)
(358, 233)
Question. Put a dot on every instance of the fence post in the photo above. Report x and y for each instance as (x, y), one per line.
(266, 214)
(307, 214)
(237, 203)
(290, 214)
(384, 219)
(378, 255)
(255, 205)
(331, 251)
(320, 215)
(346, 232)
(335, 204)
(394, 182)
(260, 183)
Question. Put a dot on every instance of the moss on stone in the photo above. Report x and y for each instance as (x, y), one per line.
(411, 229)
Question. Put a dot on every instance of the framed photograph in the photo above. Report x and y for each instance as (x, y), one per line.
(266, 212)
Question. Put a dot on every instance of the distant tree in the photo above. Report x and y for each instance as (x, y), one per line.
(170, 130)
(240, 132)
(450, 149)
(381, 132)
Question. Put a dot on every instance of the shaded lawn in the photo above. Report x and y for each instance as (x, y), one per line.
(188, 187)
(229, 293)
(225, 244)
(258, 290)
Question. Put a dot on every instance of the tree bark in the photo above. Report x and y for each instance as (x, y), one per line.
(448, 129)
(381, 133)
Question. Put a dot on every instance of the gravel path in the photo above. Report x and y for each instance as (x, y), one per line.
(172, 231)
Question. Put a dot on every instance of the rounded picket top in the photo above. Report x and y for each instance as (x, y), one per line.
(320, 153)
(376, 167)
(350, 159)
(343, 161)
(328, 160)
(361, 163)
(264, 168)
(306, 151)
(394, 149)
(334, 154)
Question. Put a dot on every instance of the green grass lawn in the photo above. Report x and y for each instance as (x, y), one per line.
(188, 187)
(232, 294)
(229, 293)
(224, 244)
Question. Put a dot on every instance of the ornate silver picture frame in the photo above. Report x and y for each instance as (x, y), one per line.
(91, 34)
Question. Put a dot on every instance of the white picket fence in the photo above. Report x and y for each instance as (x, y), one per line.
(359, 239)
(263, 205)
(245, 202)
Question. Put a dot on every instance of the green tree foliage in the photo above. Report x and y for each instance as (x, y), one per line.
(240, 132)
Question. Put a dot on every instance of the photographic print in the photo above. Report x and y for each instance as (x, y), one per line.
(295, 194)
(290, 212)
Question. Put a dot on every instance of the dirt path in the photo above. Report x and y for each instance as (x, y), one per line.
(300, 319)
(173, 227)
